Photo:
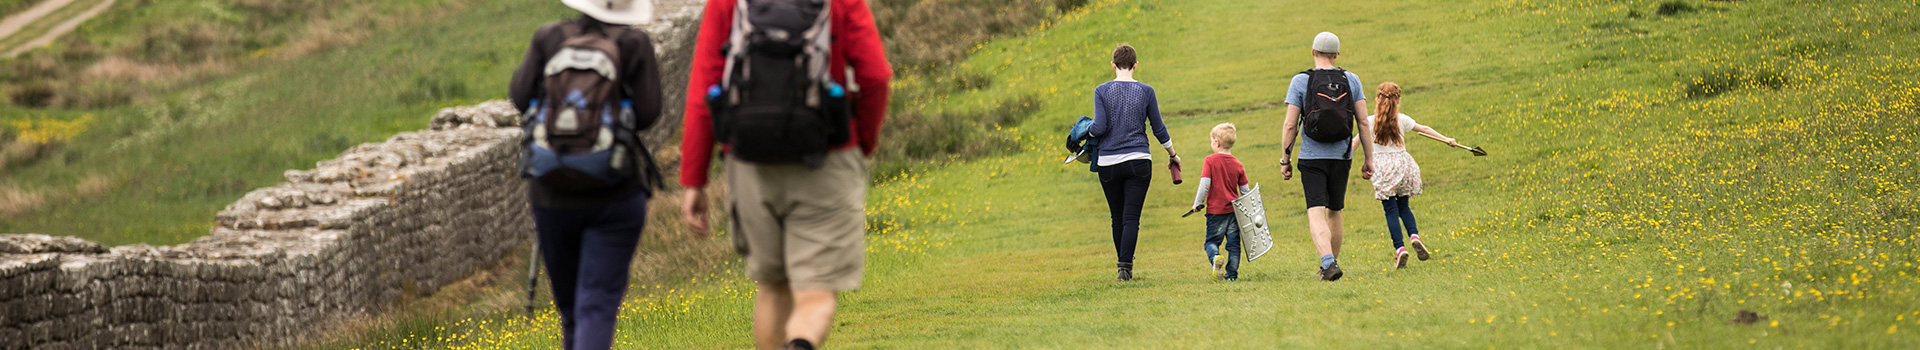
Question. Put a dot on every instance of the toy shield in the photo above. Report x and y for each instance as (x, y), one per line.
(1252, 216)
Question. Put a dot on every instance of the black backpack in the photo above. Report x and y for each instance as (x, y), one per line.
(777, 101)
(1327, 114)
(579, 133)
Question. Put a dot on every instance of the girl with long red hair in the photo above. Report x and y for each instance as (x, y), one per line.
(1396, 177)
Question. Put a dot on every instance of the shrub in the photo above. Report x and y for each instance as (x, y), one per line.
(1673, 8)
(911, 137)
(1714, 83)
(33, 94)
(923, 35)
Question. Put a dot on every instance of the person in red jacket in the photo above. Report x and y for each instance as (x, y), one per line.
(801, 228)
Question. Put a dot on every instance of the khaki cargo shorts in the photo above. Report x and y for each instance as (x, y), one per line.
(806, 227)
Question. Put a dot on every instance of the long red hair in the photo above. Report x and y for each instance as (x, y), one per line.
(1386, 120)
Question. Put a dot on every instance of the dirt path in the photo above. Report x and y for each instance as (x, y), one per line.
(59, 30)
(17, 21)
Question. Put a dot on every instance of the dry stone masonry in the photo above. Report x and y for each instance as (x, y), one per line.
(383, 222)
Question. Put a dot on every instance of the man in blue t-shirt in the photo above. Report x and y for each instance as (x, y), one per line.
(1324, 165)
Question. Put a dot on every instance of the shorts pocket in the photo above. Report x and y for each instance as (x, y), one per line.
(733, 228)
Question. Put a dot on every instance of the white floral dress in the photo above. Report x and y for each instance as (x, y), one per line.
(1395, 173)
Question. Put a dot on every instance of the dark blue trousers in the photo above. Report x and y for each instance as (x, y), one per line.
(1125, 185)
(588, 253)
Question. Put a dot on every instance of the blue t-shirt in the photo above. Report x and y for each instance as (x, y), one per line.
(1310, 149)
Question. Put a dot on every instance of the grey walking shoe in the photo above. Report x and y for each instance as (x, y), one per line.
(1331, 273)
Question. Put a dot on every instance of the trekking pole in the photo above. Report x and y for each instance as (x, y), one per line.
(533, 274)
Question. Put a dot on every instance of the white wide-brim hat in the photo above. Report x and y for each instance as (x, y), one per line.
(622, 12)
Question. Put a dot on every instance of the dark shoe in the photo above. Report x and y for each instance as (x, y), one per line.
(1126, 272)
(800, 344)
(1331, 273)
(1419, 248)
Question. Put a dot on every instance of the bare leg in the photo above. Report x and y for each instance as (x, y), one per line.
(812, 315)
(1338, 229)
(772, 307)
(1317, 228)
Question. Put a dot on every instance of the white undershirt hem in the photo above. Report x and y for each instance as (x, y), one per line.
(1110, 160)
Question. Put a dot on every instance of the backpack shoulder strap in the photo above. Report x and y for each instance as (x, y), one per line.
(568, 30)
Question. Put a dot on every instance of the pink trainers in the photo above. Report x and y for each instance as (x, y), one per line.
(1419, 248)
(1400, 258)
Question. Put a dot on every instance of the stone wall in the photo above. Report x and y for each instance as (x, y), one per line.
(383, 222)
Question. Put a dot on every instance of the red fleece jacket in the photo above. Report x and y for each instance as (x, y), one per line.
(855, 42)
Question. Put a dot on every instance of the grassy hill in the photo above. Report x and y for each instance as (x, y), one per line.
(1656, 168)
(156, 172)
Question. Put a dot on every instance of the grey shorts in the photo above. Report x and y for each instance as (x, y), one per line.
(805, 227)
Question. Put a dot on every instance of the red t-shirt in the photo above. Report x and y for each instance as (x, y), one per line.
(1227, 176)
(856, 44)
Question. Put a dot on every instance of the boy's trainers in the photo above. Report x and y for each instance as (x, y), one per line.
(1220, 267)
(1419, 248)
(1400, 258)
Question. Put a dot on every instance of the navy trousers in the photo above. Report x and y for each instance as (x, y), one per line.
(1399, 211)
(1125, 186)
(588, 253)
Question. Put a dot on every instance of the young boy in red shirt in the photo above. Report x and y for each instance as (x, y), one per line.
(1222, 180)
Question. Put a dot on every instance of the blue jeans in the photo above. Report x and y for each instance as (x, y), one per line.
(1224, 229)
(588, 253)
(1398, 211)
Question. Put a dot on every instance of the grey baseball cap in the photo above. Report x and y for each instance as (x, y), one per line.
(1326, 42)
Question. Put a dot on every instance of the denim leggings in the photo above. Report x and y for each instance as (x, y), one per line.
(1125, 185)
(588, 252)
(1398, 211)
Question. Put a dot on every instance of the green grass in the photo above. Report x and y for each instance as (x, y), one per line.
(171, 164)
(38, 28)
(1616, 210)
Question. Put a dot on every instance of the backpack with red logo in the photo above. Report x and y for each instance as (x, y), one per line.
(1327, 114)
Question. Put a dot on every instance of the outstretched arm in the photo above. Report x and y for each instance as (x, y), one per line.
(1429, 132)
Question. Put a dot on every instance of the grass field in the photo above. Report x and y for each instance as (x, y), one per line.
(157, 172)
(1656, 168)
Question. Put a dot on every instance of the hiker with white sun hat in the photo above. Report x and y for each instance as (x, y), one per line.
(622, 12)
(588, 87)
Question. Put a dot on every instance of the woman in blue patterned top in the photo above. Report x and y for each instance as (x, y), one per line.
(1122, 110)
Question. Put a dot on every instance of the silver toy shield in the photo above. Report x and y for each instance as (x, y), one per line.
(1252, 216)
